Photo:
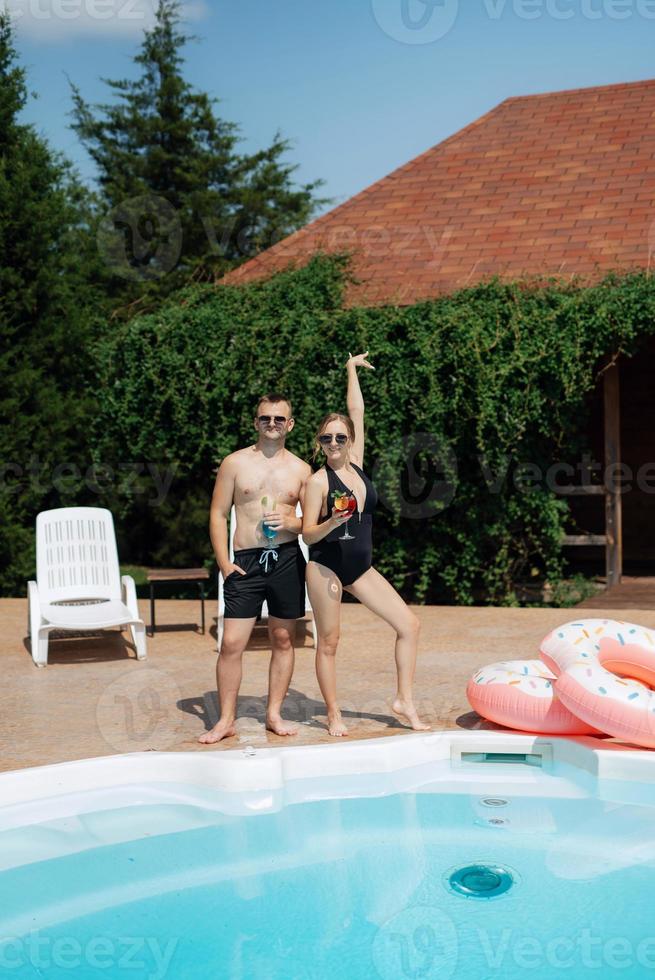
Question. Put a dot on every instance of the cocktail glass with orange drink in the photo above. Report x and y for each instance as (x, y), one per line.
(344, 500)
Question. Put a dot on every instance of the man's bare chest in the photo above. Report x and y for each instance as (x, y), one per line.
(281, 484)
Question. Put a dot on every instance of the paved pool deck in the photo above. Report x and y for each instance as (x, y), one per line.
(94, 698)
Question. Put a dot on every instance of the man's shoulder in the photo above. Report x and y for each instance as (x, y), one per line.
(299, 463)
(317, 476)
(237, 457)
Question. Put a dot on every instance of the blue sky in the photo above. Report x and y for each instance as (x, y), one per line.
(359, 86)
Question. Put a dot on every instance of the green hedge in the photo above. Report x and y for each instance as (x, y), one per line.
(467, 388)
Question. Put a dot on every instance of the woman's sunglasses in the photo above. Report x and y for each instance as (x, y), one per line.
(266, 419)
(340, 439)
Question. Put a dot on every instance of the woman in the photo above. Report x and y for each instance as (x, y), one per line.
(336, 564)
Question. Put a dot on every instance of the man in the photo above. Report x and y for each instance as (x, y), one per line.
(265, 483)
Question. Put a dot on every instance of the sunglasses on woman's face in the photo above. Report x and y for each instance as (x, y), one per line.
(340, 439)
(266, 419)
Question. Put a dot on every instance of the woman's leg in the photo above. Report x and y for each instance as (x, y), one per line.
(325, 590)
(378, 595)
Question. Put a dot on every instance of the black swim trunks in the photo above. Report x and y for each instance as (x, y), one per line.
(276, 574)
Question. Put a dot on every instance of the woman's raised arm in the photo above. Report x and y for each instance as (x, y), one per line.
(355, 403)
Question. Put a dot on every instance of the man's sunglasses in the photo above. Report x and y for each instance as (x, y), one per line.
(267, 419)
(340, 439)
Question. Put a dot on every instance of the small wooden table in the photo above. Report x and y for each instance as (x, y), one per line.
(198, 575)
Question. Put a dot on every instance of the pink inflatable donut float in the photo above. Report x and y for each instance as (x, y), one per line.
(605, 669)
(519, 694)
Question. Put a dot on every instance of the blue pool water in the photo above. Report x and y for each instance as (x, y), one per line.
(355, 888)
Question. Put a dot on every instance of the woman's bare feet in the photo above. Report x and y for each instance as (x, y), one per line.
(277, 725)
(223, 729)
(336, 727)
(406, 711)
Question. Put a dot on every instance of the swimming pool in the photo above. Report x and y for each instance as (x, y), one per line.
(441, 855)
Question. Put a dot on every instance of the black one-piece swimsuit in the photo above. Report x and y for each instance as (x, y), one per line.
(347, 559)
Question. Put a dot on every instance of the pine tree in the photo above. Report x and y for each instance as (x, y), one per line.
(46, 304)
(182, 200)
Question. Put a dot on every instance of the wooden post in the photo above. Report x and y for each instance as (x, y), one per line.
(613, 502)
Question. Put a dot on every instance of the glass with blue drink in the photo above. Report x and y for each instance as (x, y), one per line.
(269, 532)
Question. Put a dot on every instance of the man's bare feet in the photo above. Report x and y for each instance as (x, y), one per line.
(406, 711)
(223, 729)
(277, 725)
(336, 727)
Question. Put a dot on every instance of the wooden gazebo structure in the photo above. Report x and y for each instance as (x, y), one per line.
(612, 537)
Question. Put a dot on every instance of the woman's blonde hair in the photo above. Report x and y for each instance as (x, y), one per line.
(323, 424)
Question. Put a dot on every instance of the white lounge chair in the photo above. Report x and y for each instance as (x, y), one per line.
(221, 602)
(78, 582)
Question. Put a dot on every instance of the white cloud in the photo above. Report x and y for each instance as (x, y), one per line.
(64, 20)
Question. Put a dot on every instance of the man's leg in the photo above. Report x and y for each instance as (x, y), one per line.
(236, 634)
(282, 634)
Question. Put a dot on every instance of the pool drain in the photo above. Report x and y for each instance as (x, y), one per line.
(494, 801)
(481, 881)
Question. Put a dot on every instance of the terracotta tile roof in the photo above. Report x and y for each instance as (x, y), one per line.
(556, 184)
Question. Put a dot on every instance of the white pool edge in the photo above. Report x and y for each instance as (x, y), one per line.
(268, 769)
